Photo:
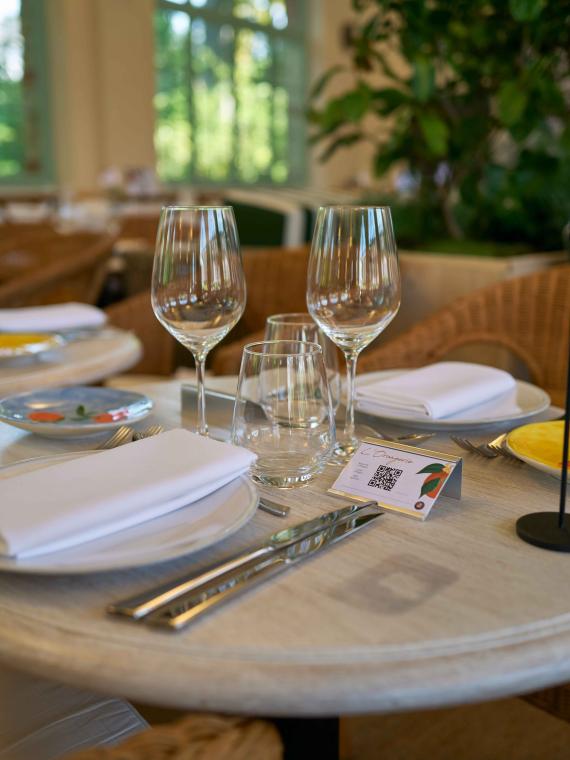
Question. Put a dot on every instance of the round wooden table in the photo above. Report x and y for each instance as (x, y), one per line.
(87, 360)
(403, 615)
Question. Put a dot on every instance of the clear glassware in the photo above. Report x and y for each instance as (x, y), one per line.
(283, 411)
(353, 287)
(198, 283)
(301, 326)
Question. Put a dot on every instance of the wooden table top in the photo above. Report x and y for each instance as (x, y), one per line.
(403, 615)
(81, 361)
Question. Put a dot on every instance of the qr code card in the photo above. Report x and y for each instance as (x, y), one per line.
(399, 477)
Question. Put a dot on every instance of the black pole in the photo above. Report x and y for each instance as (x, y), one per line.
(564, 483)
(550, 530)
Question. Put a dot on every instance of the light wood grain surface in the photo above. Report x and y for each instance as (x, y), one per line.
(403, 615)
(81, 361)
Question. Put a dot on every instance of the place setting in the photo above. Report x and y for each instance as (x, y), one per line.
(175, 493)
(60, 344)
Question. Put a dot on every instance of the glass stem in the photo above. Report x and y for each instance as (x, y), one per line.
(351, 359)
(200, 371)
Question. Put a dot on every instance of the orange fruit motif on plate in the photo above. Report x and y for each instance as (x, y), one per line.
(45, 416)
(110, 416)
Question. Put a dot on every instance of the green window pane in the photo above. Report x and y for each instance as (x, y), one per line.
(229, 99)
(25, 141)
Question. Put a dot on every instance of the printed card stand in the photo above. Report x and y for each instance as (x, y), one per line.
(400, 478)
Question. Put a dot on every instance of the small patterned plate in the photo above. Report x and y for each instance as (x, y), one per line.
(74, 412)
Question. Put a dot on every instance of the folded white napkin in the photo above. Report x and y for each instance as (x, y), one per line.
(439, 390)
(76, 501)
(56, 318)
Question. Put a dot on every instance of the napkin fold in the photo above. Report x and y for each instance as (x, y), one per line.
(437, 391)
(67, 504)
(55, 318)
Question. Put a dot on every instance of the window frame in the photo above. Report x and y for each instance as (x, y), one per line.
(37, 101)
(298, 35)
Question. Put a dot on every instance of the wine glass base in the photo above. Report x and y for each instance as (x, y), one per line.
(344, 449)
(281, 480)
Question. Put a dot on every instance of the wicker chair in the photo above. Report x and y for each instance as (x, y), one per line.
(276, 282)
(45, 267)
(136, 314)
(196, 737)
(529, 316)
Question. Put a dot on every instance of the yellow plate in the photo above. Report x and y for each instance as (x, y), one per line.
(13, 345)
(539, 444)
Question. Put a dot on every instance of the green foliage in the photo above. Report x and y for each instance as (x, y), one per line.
(476, 94)
(226, 83)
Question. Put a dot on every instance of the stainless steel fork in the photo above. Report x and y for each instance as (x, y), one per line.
(482, 449)
(498, 445)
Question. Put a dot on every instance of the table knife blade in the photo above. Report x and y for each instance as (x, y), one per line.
(184, 610)
(142, 604)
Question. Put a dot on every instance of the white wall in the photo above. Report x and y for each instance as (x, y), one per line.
(102, 71)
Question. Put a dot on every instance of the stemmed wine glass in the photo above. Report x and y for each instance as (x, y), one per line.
(353, 287)
(198, 283)
(299, 326)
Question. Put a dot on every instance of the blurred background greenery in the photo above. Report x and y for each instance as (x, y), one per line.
(477, 97)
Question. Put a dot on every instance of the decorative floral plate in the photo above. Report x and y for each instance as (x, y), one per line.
(74, 412)
(540, 445)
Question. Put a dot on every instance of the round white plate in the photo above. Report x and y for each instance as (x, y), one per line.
(529, 399)
(74, 412)
(184, 531)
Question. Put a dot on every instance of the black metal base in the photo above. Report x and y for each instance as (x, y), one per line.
(541, 529)
(309, 737)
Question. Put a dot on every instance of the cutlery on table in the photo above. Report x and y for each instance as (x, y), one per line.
(482, 449)
(408, 437)
(498, 445)
(184, 610)
(142, 605)
(272, 508)
(122, 435)
(148, 432)
(491, 450)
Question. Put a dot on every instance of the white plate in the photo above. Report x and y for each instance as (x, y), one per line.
(530, 399)
(186, 530)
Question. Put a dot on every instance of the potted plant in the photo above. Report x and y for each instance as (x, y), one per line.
(476, 94)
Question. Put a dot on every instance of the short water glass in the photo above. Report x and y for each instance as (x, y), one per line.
(283, 411)
(301, 326)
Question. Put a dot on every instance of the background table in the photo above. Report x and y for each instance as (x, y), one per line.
(403, 615)
(87, 360)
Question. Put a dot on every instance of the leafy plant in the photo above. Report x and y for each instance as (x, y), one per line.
(476, 95)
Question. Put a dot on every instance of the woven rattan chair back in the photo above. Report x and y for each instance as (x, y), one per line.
(136, 314)
(45, 267)
(196, 737)
(529, 316)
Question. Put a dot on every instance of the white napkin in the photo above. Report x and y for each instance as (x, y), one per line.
(437, 391)
(76, 501)
(56, 318)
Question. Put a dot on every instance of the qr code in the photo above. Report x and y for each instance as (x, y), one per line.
(385, 477)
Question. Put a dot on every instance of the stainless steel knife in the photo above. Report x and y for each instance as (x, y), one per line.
(140, 605)
(187, 608)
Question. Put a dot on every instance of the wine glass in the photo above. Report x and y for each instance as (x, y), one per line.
(198, 283)
(301, 326)
(353, 287)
